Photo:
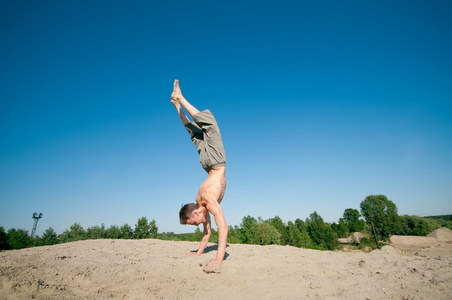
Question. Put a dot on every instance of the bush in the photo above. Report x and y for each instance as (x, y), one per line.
(414, 225)
(4, 240)
(18, 238)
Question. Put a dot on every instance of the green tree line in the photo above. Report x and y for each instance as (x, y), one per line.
(312, 233)
(19, 238)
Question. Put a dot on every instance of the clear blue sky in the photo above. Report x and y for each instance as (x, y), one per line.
(320, 104)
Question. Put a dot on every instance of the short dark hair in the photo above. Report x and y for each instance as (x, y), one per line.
(185, 212)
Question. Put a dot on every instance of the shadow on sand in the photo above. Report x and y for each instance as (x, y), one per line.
(213, 248)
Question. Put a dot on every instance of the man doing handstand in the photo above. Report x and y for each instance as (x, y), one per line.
(205, 134)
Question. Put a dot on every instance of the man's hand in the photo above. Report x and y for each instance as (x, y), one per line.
(213, 266)
(193, 254)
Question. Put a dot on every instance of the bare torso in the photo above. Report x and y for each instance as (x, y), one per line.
(213, 188)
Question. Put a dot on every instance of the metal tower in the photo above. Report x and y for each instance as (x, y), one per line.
(36, 217)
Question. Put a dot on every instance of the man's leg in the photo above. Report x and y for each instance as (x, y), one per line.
(177, 98)
(196, 133)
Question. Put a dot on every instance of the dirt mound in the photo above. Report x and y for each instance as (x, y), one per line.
(354, 238)
(155, 269)
(436, 242)
(419, 241)
(442, 234)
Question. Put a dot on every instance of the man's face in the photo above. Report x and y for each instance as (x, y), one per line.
(196, 218)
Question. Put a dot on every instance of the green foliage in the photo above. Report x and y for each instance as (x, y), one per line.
(306, 241)
(313, 233)
(198, 234)
(301, 225)
(190, 237)
(126, 231)
(49, 237)
(266, 233)
(294, 237)
(247, 231)
(144, 230)
(443, 217)
(383, 212)
(168, 236)
(234, 235)
(96, 232)
(258, 232)
(341, 229)
(321, 234)
(351, 219)
(4, 240)
(113, 232)
(414, 225)
(443, 221)
(75, 233)
(18, 238)
(277, 223)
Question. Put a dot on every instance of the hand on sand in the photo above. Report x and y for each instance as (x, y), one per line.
(193, 254)
(212, 267)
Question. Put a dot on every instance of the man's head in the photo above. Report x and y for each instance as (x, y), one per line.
(192, 214)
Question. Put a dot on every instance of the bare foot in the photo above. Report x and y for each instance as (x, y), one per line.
(212, 267)
(177, 94)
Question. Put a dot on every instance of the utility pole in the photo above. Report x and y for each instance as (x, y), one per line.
(36, 217)
(375, 234)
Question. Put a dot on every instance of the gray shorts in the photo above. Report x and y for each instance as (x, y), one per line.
(205, 134)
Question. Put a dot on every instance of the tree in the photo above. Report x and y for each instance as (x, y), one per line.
(281, 227)
(383, 213)
(247, 230)
(18, 238)
(321, 233)
(294, 237)
(301, 225)
(96, 232)
(49, 237)
(113, 232)
(266, 234)
(144, 230)
(4, 240)
(75, 233)
(126, 231)
(234, 235)
(351, 219)
(258, 232)
(154, 229)
(306, 241)
(341, 229)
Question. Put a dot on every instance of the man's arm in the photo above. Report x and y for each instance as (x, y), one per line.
(215, 209)
(205, 235)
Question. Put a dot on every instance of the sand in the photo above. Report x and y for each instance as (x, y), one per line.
(156, 269)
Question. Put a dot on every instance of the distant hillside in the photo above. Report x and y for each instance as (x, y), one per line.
(443, 217)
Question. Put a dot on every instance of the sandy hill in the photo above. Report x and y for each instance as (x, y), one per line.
(442, 234)
(155, 269)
